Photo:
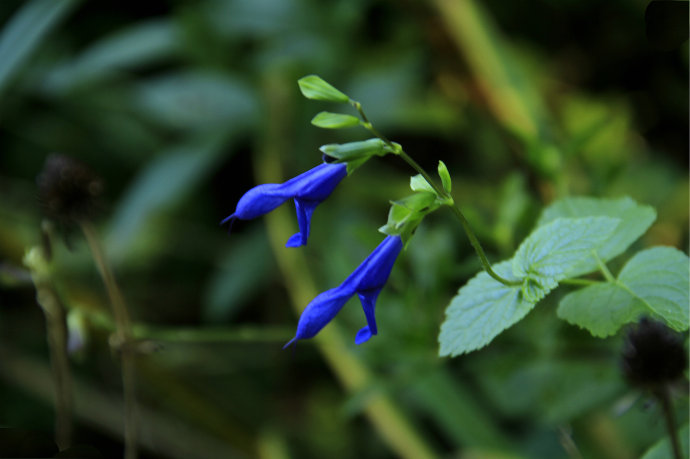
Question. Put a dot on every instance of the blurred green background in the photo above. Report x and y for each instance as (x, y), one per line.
(181, 106)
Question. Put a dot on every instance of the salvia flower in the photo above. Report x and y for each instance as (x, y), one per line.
(308, 190)
(366, 281)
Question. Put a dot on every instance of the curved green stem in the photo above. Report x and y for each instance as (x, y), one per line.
(441, 193)
(123, 335)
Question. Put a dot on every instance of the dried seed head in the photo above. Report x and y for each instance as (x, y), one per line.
(68, 190)
(653, 355)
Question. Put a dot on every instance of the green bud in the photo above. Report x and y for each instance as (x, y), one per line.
(406, 214)
(315, 88)
(419, 183)
(445, 176)
(344, 152)
(328, 120)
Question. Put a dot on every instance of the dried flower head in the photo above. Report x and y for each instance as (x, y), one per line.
(653, 355)
(68, 190)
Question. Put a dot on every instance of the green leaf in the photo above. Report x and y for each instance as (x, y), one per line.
(482, 309)
(25, 31)
(659, 277)
(601, 308)
(354, 150)
(328, 120)
(419, 183)
(662, 449)
(141, 44)
(315, 88)
(197, 100)
(654, 282)
(445, 176)
(562, 248)
(635, 220)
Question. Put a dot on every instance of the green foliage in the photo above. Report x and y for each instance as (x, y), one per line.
(351, 151)
(407, 213)
(445, 176)
(482, 309)
(315, 88)
(25, 31)
(558, 250)
(571, 236)
(330, 120)
(662, 448)
(635, 220)
(654, 282)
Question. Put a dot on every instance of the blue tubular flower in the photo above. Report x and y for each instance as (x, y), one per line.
(366, 281)
(308, 190)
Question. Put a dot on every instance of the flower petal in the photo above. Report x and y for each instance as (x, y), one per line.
(320, 311)
(368, 299)
(260, 200)
(304, 209)
(363, 336)
(374, 271)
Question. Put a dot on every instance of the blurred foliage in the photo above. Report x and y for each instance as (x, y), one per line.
(177, 104)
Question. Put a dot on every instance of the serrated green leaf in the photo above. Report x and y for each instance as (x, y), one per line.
(635, 220)
(481, 310)
(328, 120)
(601, 308)
(445, 176)
(654, 282)
(662, 449)
(419, 183)
(562, 248)
(659, 277)
(354, 150)
(315, 88)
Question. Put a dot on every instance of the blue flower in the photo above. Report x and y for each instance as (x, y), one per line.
(366, 281)
(308, 190)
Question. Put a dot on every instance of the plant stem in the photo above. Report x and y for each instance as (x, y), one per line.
(441, 193)
(123, 337)
(665, 399)
(603, 268)
(579, 281)
(38, 262)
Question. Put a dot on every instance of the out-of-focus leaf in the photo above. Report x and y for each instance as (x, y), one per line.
(243, 270)
(159, 186)
(25, 31)
(511, 96)
(481, 310)
(141, 44)
(456, 411)
(635, 219)
(552, 390)
(662, 449)
(198, 100)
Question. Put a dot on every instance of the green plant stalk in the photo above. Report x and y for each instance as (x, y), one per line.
(56, 335)
(440, 192)
(665, 398)
(123, 338)
(603, 268)
(390, 422)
